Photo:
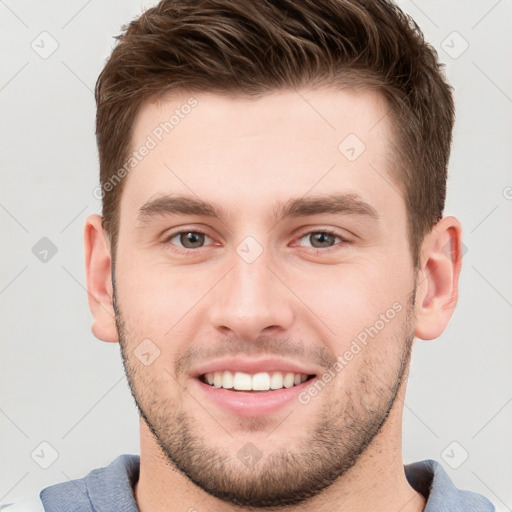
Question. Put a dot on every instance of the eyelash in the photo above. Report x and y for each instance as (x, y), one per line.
(323, 250)
(184, 251)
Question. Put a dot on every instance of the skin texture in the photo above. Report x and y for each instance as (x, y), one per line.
(249, 158)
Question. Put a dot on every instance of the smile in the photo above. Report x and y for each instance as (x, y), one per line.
(261, 381)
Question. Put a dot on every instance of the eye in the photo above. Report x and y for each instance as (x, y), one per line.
(319, 239)
(189, 239)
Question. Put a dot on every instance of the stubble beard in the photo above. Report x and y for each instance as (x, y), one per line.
(327, 448)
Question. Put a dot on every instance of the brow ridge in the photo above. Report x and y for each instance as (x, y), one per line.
(347, 204)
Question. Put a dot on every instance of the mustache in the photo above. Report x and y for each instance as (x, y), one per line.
(264, 346)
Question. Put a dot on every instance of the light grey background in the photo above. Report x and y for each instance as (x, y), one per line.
(61, 386)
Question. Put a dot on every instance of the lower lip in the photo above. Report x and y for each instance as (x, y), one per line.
(250, 403)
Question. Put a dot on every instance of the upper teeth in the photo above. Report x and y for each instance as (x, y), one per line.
(257, 382)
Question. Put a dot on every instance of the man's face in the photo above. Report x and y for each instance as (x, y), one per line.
(262, 244)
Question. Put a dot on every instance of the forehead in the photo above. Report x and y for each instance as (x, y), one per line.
(245, 152)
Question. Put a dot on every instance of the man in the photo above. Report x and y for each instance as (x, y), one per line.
(273, 176)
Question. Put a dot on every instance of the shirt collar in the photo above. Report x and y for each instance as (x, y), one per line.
(111, 488)
(430, 479)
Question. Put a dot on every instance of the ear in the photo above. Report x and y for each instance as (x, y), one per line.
(98, 269)
(438, 278)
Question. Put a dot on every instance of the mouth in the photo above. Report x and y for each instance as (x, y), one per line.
(261, 382)
(253, 388)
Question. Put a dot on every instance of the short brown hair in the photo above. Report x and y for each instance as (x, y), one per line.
(250, 47)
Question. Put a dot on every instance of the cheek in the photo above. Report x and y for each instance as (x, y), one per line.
(371, 354)
(349, 297)
(154, 296)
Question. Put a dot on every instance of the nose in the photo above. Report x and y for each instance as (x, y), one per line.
(250, 301)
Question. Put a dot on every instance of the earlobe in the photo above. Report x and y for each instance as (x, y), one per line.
(438, 278)
(98, 268)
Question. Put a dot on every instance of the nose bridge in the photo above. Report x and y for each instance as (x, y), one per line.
(248, 299)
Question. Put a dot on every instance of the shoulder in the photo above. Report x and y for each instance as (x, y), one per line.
(71, 496)
(429, 478)
(103, 487)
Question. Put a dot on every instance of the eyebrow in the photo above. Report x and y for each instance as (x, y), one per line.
(347, 204)
(178, 205)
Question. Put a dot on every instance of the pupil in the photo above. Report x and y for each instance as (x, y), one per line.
(192, 240)
(322, 240)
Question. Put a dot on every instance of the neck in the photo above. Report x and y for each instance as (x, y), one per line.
(376, 482)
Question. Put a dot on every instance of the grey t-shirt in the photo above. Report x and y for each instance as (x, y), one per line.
(111, 489)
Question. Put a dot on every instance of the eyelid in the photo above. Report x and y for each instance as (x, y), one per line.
(302, 233)
(185, 229)
(328, 231)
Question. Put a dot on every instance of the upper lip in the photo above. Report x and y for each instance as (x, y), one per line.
(237, 364)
